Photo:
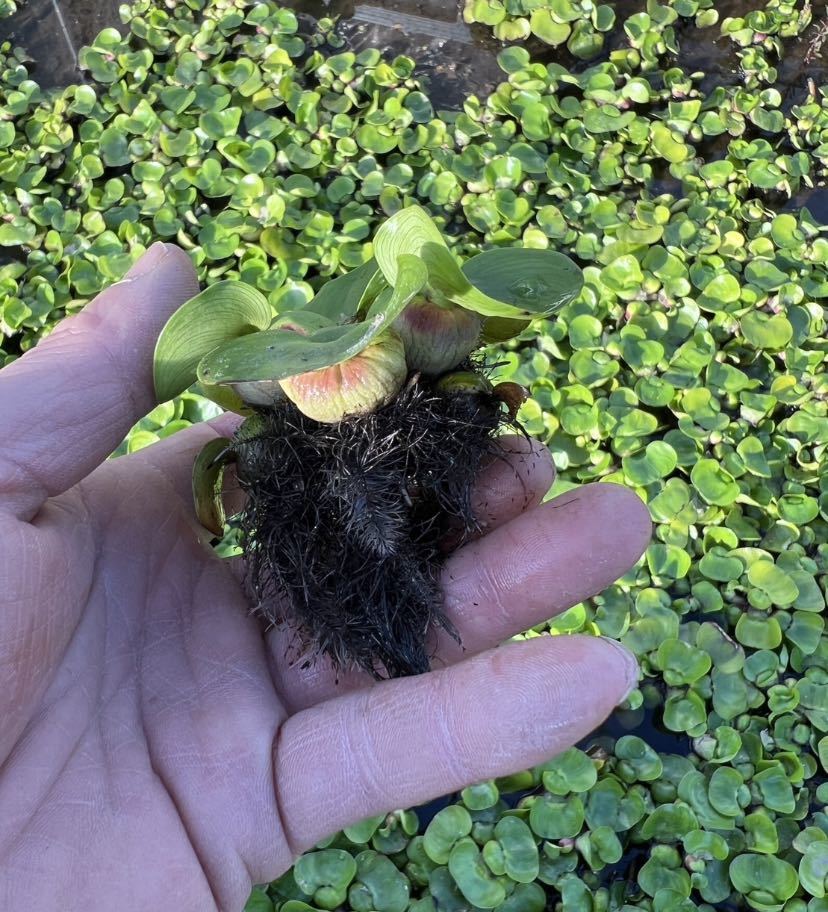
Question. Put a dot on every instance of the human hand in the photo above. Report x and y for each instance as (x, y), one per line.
(156, 750)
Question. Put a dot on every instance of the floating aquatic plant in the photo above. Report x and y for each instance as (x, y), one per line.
(370, 421)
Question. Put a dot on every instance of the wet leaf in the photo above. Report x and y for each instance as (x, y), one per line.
(571, 771)
(378, 885)
(714, 483)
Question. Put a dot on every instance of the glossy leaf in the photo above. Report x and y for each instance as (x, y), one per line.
(326, 876)
(447, 827)
(471, 875)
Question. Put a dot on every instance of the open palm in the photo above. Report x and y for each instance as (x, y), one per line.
(157, 751)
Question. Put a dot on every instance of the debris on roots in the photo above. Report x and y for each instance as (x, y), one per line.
(345, 525)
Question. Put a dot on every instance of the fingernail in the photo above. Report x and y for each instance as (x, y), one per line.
(148, 262)
(630, 664)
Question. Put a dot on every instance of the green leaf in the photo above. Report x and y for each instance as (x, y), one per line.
(773, 581)
(411, 231)
(325, 876)
(547, 29)
(667, 143)
(657, 461)
(765, 274)
(379, 886)
(727, 791)
(623, 275)
(7, 133)
(481, 796)
(669, 823)
(668, 562)
(813, 869)
(606, 119)
(520, 851)
(682, 663)
(276, 354)
(721, 567)
(221, 312)
(471, 875)
(638, 761)
(766, 331)
(535, 283)
(208, 474)
(553, 281)
(19, 231)
(259, 902)
(758, 876)
(775, 788)
(339, 299)
(761, 833)
(722, 289)
(446, 828)
(714, 483)
(685, 713)
(362, 832)
(571, 771)
(557, 818)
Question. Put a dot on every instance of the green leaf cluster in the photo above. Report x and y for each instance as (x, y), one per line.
(226, 336)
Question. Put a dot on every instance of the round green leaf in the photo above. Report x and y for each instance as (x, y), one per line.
(520, 851)
(557, 818)
(765, 331)
(446, 828)
(763, 878)
(325, 876)
(379, 886)
(813, 869)
(547, 29)
(714, 483)
(571, 771)
(773, 581)
(471, 875)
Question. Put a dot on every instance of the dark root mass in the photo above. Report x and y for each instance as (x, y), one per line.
(346, 525)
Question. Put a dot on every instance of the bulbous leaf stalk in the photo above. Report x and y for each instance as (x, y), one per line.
(437, 334)
(357, 386)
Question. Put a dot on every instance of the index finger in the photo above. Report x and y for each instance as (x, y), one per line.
(68, 403)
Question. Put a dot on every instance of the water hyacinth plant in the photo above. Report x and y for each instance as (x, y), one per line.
(369, 420)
